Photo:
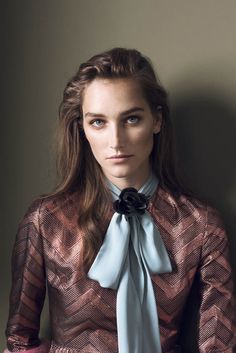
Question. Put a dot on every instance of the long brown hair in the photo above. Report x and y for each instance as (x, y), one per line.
(76, 165)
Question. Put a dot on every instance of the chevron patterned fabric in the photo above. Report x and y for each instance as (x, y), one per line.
(47, 252)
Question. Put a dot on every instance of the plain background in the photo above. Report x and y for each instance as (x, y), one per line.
(193, 48)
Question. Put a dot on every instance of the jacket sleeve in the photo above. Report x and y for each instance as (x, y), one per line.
(217, 324)
(28, 284)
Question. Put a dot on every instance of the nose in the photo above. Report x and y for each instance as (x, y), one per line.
(116, 137)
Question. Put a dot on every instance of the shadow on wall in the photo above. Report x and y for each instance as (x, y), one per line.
(205, 129)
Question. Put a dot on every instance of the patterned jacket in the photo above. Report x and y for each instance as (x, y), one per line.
(47, 253)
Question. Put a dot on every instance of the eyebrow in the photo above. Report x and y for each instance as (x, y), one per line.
(125, 112)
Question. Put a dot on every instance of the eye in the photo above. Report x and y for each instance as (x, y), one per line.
(133, 119)
(97, 123)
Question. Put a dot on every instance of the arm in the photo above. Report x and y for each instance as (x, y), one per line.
(217, 330)
(28, 285)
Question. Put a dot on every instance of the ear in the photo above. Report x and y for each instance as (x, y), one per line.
(157, 122)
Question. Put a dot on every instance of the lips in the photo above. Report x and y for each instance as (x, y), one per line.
(120, 156)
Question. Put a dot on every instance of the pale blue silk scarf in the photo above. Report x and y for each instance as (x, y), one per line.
(132, 250)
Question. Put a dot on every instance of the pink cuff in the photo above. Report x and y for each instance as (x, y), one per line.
(43, 348)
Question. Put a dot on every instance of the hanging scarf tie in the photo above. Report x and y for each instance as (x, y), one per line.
(132, 250)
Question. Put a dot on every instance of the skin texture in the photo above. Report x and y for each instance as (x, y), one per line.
(112, 131)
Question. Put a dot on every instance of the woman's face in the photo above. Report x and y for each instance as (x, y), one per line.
(119, 127)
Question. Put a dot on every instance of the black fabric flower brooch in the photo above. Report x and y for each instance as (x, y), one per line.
(131, 202)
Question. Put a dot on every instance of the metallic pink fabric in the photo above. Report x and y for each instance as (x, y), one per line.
(42, 348)
(82, 314)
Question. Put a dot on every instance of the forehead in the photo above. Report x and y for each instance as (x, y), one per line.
(112, 94)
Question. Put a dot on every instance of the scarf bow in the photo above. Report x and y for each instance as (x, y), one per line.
(132, 250)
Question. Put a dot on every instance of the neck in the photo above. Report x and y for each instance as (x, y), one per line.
(128, 182)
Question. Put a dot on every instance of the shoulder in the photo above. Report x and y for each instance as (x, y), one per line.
(182, 207)
(188, 209)
(41, 210)
(187, 220)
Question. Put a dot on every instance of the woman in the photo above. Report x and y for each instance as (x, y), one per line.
(120, 240)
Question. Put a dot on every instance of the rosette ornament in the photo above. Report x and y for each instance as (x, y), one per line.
(131, 202)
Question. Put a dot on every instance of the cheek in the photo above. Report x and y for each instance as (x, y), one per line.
(143, 139)
(96, 144)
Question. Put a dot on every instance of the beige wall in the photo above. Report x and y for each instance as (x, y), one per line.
(192, 44)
